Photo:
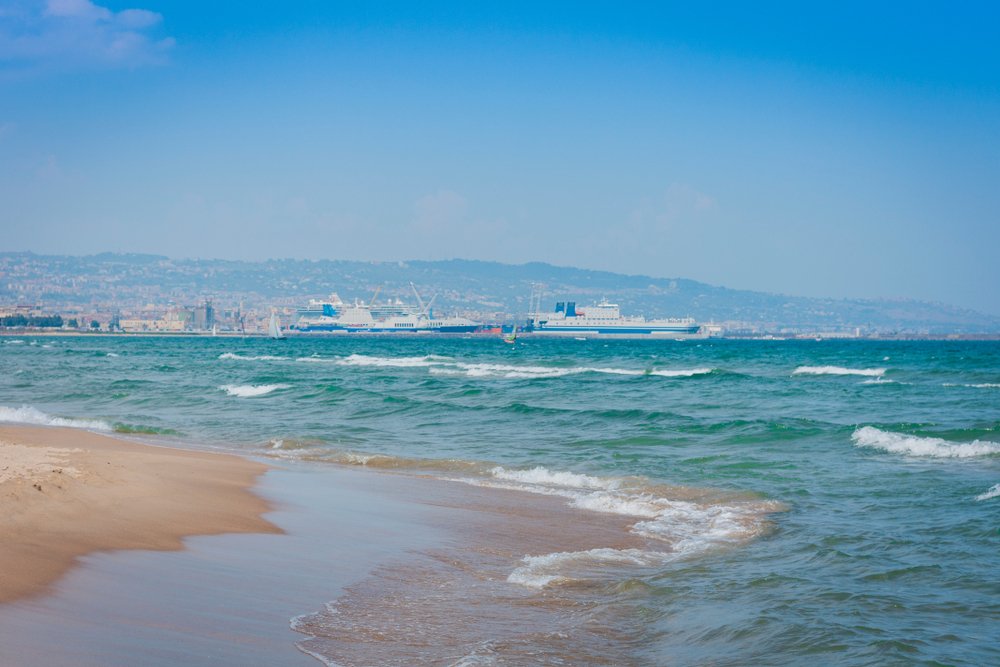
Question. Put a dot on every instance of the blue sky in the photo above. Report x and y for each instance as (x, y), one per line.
(830, 149)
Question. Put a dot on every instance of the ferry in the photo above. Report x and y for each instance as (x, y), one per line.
(333, 315)
(605, 319)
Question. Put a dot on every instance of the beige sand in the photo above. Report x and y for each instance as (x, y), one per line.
(65, 493)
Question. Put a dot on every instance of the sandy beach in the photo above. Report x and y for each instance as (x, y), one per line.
(176, 565)
(67, 493)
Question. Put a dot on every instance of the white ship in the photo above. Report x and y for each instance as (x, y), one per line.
(605, 319)
(391, 316)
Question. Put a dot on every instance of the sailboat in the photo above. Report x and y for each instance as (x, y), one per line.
(274, 327)
(511, 338)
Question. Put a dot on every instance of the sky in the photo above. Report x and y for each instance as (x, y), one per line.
(839, 149)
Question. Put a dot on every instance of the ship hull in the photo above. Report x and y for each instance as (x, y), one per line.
(620, 332)
(339, 329)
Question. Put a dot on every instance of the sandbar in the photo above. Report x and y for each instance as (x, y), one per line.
(66, 493)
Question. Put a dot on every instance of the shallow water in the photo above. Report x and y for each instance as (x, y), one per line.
(778, 501)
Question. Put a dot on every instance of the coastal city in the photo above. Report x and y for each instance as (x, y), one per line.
(146, 294)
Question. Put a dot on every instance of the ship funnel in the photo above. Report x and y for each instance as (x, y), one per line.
(560, 306)
(571, 309)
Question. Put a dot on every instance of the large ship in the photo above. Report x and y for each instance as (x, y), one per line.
(605, 319)
(391, 316)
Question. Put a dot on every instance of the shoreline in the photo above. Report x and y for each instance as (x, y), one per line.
(348, 557)
(414, 335)
(69, 493)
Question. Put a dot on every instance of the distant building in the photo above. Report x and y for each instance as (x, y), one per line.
(204, 316)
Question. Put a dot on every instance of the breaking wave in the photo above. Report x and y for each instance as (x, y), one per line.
(838, 370)
(681, 524)
(261, 357)
(27, 414)
(392, 362)
(566, 566)
(441, 365)
(251, 390)
(912, 445)
(993, 492)
(529, 372)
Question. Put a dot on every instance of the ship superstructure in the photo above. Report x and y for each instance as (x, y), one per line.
(605, 319)
(333, 315)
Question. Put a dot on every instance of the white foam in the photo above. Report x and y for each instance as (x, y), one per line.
(981, 385)
(683, 527)
(16, 341)
(544, 476)
(27, 414)
(838, 370)
(682, 373)
(111, 354)
(993, 492)
(251, 390)
(557, 568)
(261, 357)
(878, 380)
(912, 445)
(530, 372)
(514, 372)
(391, 362)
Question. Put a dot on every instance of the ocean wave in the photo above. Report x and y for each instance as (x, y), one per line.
(681, 521)
(251, 390)
(683, 373)
(993, 492)
(112, 354)
(261, 357)
(140, 429)
(683, 525)
(541, 475)
(838, 370)
(27, 414)
(484, 370)
(981, 385)
(565, 566)
(391, 362)
(16, 341)
(912, 445)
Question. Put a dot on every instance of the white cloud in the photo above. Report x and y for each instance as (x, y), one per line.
(75, 34)
(83, 9)
(137, 18)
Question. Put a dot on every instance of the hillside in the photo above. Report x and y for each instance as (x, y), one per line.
(126, 280)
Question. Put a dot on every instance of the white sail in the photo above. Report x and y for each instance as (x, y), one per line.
(274, 327)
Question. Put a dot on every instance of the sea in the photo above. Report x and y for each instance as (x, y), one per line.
(695, 502)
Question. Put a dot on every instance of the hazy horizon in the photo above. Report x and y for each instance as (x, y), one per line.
(847, 152)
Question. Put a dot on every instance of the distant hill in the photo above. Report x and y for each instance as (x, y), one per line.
(467, 285)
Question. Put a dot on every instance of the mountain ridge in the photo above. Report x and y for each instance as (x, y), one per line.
(460, 284)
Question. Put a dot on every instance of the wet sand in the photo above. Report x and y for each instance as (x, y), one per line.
(67, 493)
(351, 566)
(226, 599)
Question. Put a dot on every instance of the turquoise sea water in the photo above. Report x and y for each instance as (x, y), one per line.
(831, 501)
